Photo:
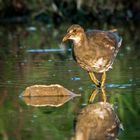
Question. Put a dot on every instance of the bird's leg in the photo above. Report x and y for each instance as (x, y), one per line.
(93, 95)
(93, 78)
(103, 94)
(103, 79)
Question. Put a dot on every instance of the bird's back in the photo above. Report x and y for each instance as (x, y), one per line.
(105, 39)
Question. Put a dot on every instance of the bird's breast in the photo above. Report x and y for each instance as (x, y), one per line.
(98, 65)
(92, 58)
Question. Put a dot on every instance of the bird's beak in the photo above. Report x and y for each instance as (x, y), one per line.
(66, 37)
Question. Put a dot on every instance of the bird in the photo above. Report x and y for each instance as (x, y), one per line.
(94, 50)
(97, 121)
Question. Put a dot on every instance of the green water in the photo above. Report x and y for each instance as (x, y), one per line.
(20, 68)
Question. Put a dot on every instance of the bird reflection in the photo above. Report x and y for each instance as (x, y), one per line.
(95, 92)
(97, 121)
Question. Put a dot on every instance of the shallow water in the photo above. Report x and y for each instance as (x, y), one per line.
(29, 57)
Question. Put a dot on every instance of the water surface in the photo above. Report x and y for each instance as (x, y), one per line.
(29, 57)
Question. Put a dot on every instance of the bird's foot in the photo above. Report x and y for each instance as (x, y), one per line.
(98, 85)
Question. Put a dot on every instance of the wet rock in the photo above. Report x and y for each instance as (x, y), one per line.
(47, 90)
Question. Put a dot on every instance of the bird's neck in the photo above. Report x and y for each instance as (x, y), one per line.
(80, 41)
(80, 47)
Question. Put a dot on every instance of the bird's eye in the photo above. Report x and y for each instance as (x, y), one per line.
(74, 30)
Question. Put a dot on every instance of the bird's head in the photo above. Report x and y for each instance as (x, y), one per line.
(75, 33)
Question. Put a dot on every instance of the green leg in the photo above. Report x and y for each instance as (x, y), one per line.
(103, 94)
(93, 78)
(93, 95)
(103, 79)
(102, 86)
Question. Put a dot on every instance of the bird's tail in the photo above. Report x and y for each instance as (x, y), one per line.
(120, 42)
(113, 30)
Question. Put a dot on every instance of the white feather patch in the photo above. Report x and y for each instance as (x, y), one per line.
(100, 62)
(76, 39)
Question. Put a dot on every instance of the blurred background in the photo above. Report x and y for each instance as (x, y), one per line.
(31, 53)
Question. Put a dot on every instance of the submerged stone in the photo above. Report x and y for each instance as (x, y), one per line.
(47, 101)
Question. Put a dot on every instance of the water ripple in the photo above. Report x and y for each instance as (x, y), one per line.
(47, 50)
(120, 85)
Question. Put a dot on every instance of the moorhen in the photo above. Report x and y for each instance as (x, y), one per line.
(94, 50)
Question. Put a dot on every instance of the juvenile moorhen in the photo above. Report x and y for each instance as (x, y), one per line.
(94, 50)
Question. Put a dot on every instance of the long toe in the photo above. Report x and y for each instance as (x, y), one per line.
(98, 85)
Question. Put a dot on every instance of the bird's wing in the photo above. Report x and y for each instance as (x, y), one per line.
(105, 39)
